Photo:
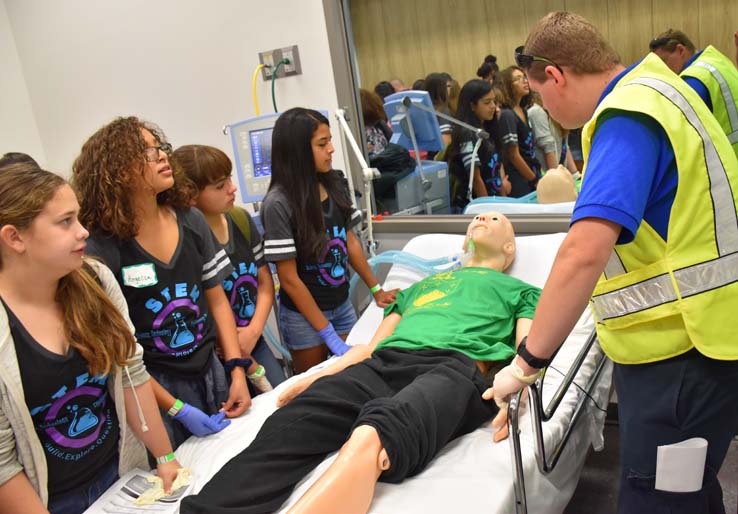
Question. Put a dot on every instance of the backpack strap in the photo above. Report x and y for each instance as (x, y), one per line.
(242, 220)
(91, 271)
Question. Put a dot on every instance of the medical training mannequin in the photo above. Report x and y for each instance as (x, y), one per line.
(392, 404)
(557, 186)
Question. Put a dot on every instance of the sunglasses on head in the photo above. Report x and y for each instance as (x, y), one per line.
(525, 61)
(658, 42)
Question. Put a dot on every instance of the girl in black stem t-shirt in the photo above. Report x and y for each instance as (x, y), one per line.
(514, 135)
(308, 217)
(476, 106)
(170, 268)
(72, 383)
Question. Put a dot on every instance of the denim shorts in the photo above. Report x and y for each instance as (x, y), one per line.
(205, 392)
(78, 500)
(298, 334)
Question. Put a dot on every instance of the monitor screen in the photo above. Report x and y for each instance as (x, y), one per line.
(261, 151)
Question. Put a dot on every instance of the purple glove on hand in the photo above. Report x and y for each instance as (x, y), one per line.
(199, 423)
(335, 344)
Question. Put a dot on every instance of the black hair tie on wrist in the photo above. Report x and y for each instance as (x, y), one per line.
(233, 363)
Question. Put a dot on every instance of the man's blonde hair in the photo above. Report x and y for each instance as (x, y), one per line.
(569, 40)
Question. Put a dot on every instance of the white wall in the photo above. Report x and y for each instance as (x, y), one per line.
(183, 64)
(18, 130)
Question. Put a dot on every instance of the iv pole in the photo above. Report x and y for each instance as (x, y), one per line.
(368, 174)
(480, 133)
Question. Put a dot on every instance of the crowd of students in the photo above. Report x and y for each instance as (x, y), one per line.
(137, 295)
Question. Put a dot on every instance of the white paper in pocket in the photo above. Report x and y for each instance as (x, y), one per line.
(680, 466)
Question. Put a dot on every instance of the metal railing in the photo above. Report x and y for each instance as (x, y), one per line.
(547, 462)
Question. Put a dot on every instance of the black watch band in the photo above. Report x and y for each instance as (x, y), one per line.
(232, 363)
(529, 358)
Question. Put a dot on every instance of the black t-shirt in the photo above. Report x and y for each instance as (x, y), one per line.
(72, 412)
(326, 279)
(242, 284)
(510, 130)
(166, 301)
(488, 160)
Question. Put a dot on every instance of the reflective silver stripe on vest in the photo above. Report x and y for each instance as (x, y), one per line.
(659, 290)
(727, 94)
(726, 221)
(614, 266)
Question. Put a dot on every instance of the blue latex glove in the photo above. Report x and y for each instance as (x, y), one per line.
(335, 344)
(199, 423)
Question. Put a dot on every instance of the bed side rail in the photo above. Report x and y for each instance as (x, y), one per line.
(547, 462)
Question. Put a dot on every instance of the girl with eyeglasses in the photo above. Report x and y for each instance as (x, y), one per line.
(170, 267)
(477, 107)
(514, 135)
(308, 220)
(76, 402)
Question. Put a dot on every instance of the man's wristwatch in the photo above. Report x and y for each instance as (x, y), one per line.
(529, 358)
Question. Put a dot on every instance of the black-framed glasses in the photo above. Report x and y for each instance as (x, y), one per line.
(151, 153)
(659, 42)
(526, 60)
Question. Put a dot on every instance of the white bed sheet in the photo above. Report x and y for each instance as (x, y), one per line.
(480, 207)
(472, 474)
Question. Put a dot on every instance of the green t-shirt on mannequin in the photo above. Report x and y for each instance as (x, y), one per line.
(472, 310)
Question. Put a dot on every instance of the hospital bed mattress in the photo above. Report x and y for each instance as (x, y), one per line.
(480, 207)
(472, 474)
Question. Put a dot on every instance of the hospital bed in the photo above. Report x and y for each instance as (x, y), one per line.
(472, 474)
(527, 204)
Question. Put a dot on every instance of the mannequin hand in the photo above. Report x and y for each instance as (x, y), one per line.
(294, 390)
(168, 473)
(500, 424)
(335, 344)
(239, 399)
(384, 298)
(199, 423)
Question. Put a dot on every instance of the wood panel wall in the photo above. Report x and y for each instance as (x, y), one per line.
(408, 39)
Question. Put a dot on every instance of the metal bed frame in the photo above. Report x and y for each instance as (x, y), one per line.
(547, 463)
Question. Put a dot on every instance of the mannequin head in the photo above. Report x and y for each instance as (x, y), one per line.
(490, 239)
(557, 186)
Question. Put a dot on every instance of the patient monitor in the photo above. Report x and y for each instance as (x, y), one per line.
(252, 151)
(426, 189)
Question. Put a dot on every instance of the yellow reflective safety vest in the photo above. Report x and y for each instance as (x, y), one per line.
(720, 77)
(659, 299)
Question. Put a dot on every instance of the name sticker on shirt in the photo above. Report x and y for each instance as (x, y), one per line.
(140, 275)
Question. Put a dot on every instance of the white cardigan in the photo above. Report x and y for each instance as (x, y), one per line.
(26, 453)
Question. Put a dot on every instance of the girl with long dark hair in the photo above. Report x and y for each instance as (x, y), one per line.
(308, 217)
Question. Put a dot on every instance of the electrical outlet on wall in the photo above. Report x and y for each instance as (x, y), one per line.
(270, 58)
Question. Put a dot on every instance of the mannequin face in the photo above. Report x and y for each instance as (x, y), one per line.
(492, 234)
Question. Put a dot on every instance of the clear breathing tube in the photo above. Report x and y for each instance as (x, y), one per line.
(408, 260)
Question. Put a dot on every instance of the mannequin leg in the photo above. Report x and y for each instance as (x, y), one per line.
(347, 487)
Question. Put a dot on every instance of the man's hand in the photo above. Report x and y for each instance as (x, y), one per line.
(239, 399)
(384, 298)
(294, 390)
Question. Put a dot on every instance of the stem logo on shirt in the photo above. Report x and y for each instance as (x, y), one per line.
(178, 326)
(241, 289)
(332, 267)
(75, 421)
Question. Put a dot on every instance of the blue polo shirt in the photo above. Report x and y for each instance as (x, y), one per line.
(697, 84)
(631, 172)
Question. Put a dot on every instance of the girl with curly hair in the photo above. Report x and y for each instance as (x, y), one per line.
(73, 388)
(170, 267)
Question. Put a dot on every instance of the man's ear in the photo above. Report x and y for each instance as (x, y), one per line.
(553, 73)
(11, 237)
